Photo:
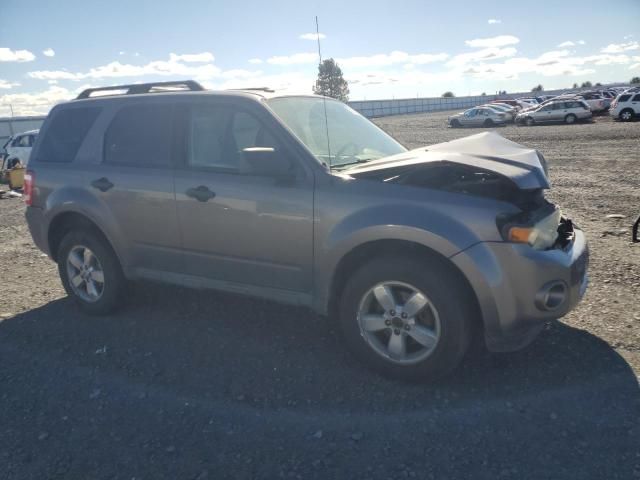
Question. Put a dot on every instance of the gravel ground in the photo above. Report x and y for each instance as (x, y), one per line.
(193, 385)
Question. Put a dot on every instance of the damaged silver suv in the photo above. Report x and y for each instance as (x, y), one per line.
(301, 200)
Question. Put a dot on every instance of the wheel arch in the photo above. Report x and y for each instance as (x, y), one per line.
(65, 222)
(362, 253)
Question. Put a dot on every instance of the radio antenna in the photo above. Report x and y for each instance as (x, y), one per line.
(324, 99)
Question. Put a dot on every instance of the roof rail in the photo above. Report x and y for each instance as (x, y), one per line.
(261, 89)
(137, 88)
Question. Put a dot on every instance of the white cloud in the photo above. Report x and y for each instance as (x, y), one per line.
(312, 36)
(121, 52)
(255, 61)
(48, 52)
(4, 85)
(485, 54)
(8, 55)
(494, 21)
(37, 103)
(203, 57)
(581, 42)
(568, 43)
(499, 41)
(386, 59)
(295, 59)
(620, 47)
(175, 66)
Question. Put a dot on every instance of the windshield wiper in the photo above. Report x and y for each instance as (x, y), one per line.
(356, 161)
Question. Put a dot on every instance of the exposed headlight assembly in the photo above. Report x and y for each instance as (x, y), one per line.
(540, 235)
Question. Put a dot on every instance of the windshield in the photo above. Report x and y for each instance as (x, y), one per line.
(352, 138)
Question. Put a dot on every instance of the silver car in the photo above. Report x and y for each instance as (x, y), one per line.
(478, 117)
(558, 111)
(301, 200)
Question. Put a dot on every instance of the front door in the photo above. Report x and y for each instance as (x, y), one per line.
(239, 228)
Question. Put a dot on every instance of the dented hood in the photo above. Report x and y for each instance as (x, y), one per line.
(487, 151)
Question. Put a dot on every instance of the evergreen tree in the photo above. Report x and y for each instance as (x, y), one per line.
(330, 81)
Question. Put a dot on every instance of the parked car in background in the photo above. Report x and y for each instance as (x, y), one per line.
(626, 107)
(506, 109)
(18, 148)
(597, 103)
(567, 111)
(414, 253)
(479, 117)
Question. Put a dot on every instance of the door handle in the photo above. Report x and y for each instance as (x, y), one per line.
(103, 184)
(200, 193)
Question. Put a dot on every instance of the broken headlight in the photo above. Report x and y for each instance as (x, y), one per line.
(541, 234)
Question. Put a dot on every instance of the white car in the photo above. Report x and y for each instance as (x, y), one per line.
(626, 106)
(478, 117)
(506, 109)
(18, 147)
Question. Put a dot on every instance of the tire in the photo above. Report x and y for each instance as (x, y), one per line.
(455, 123)
(626, 115)
(530, 121)
(111, 289)
(569, 119)
(488, 123)
(446, 316)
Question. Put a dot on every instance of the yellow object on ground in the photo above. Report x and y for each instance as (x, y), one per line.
(16, 177)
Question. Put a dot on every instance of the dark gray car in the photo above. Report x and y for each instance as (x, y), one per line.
(301, 200)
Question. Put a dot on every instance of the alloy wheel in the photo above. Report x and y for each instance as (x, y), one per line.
(85, 273)
(399, 322)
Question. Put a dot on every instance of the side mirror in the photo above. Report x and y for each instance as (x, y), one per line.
(265, 161)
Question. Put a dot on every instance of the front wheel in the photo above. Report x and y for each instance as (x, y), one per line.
(90, 272)
(488, 122)
(455, 123)
(406, 319)
(530, 121)
(626, 115)
(569, 119)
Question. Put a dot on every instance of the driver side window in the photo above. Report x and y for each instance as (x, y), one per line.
(218, 134)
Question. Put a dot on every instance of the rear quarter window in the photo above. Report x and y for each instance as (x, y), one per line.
(65, 133)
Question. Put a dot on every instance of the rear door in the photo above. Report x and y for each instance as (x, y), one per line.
(239, 228)
(135, 181)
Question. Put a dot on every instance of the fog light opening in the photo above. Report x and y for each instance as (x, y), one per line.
(551, 296)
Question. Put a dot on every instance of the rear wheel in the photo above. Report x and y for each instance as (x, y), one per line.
(90, 272)
(488, 123)
(626, 115)
(569, 119)
(405, 318)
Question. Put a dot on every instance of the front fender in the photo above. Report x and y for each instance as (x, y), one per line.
(418, 224)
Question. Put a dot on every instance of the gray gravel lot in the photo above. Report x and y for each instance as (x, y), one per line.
(192, 385)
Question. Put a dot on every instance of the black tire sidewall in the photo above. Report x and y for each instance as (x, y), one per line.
(566, 119)
(442, 289)
(114, 281)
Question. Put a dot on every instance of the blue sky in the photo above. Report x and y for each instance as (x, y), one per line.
(51, 50)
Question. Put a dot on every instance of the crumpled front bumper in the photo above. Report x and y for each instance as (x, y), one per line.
(510, 279)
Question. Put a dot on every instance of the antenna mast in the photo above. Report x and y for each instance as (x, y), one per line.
(324, 100)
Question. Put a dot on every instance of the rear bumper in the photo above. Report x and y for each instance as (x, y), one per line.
(37, 228)
(512, 283)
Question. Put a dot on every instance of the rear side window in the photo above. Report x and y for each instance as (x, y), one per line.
(140, 136)
(65, 134)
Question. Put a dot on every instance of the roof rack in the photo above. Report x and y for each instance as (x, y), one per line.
(260, 89)
(188, 85)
